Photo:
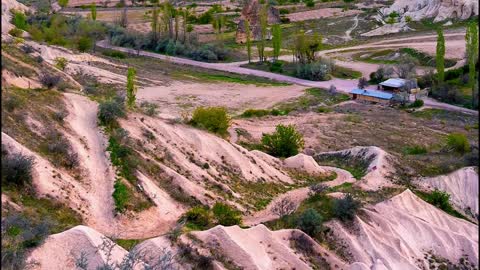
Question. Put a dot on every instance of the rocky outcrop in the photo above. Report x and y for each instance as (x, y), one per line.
(440, 10)
(64, 250)
(462, 185)
(405, 232)
(251, 12)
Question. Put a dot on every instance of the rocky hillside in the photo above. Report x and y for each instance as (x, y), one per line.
(439, 10)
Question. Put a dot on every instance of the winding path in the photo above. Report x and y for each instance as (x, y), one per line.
(342, 85)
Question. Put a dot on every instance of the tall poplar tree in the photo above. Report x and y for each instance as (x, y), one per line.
(276, 41)
(93, 11)
(471, 39)
(440, 57)
(249, 41)
(263, 33)
(155, 22)
(131, 88)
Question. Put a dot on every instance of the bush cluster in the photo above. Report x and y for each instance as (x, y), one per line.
(284, 142)
(110, 110)
(316, 71)
(17, 169)
(345, 208)
(458, 143)
(213, 119)
(192, 49)
(201, 217)
(49, 80)
(310, 222)
(58, 147)
(19, 234)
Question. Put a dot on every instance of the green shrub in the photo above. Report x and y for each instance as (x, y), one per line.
(458, 143)
(121, 196)
(276, 112)
(276, 66)
(19, 20)
(198, 216)
(226, 215)
(345, 209)
(49, 80)
(20, 233)
(109, 110)
(61, 63)
(415, 150)
(16, 32)
(309, 3)
(316, 71)
(84, 44)
(255, 113)
(17, 169)
(213, 119)
(120, 157)
(440, 199)
(115, 54)
(284, 142)
(323, 109)
(416, 104)
(310, 222)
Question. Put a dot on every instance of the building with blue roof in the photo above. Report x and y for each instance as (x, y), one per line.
(371, 95)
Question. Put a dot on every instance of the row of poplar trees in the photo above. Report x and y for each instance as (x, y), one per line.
(471, 39)
(263, 24)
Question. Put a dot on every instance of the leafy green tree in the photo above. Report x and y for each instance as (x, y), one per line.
(276, 41)
(310, 222)
(249, 41)
(131, 88)
(284, 142)
(471, 38)
(93, 11)
(63, 3)
(440, 61)
(226, 215)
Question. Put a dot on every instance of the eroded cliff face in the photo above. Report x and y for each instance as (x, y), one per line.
(440, 10)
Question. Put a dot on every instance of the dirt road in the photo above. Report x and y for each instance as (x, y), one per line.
(343, 85)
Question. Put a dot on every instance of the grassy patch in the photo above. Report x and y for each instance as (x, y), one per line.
(312, 98)
(415, 150)
(232, 78)
(356, 166)
(61, 216)
(345, 73)
(127, 244)
(389, 57)
(431, 198)
(258, 194)
(121, 196)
